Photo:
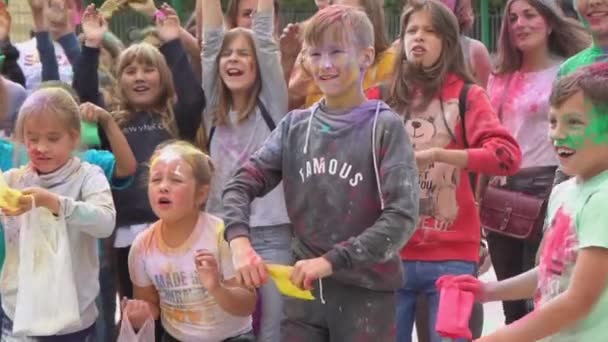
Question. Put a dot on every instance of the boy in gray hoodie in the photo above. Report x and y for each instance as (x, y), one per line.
(351, 192)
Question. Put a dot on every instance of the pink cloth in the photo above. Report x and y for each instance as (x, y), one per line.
(454, 311)
(77, 13)
(450, 3)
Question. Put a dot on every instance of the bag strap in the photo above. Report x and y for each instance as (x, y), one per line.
(503, 97)
(462, 109)
(265, 115)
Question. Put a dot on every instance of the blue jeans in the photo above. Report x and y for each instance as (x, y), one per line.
(420, 278)
(273, 244)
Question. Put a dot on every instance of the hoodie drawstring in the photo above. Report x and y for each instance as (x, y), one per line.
(314, 109)
(321, 291)
(375, 158)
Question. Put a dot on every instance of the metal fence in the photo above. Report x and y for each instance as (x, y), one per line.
(124, 23)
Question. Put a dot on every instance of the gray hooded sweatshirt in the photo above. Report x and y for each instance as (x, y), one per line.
(351, 190)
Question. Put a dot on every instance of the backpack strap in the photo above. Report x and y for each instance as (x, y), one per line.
(265, 115)
(462, 109)
(211, 133)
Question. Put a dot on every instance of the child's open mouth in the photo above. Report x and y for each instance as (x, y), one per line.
(564, 152)
(234, 72)
(327, 77)
(141, 88)
(164, 202)
(597, 15)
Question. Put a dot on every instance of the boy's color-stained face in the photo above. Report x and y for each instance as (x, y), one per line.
(580, 137)
(337, 67)
(238, 65)
(48, 142)
(594, 14)
(141, 84)
(172, 188)
(421, 42)
(528, 30)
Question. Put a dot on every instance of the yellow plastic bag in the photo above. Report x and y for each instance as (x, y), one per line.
(280, 275)
(9, 198)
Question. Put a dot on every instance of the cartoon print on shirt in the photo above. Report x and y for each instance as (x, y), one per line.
(435, 127)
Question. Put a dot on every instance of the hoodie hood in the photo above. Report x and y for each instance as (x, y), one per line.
(337, 123)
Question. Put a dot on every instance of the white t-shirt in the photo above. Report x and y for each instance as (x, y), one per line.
(188, 312)
(525, 108)
(29, 61)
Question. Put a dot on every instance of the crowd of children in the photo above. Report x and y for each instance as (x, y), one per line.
(177, 172)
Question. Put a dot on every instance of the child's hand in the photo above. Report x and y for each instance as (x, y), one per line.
(145, 7)
(37, 6)
(425, 158)
(5, 25)
(289, 42)
(136, 311)
(305, 272)
(94, 26)
(41, 197)
(167, 23)
(59, 16)
(467, 283)
(92, 113)
(24, 204)
(208, 272)
(249, 266)
(39, 10)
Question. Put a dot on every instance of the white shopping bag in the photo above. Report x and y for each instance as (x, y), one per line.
(47, 301)
(127, 334)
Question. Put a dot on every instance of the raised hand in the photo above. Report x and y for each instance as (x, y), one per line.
(94, 26)
(289, 42)
(145, 7)
(37, 6)
(167, 23)
(109, 7)
(92, 113)
(5, 23)
(59, 16)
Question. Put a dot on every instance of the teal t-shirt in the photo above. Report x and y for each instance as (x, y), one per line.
(104, 159)
(577, 219)
(582, 59)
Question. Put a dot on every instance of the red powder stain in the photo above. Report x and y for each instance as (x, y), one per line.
(534, 108)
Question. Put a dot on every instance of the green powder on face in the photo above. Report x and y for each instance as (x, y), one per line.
(596, 130)
(571, 141)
